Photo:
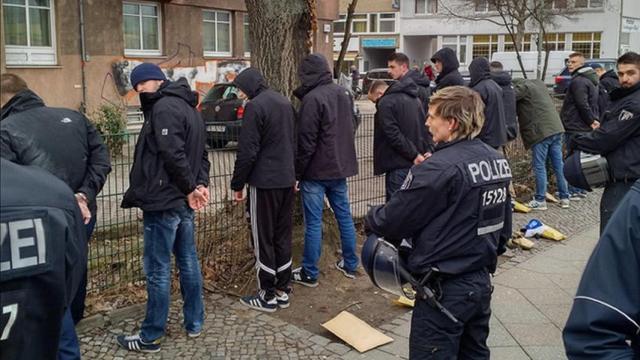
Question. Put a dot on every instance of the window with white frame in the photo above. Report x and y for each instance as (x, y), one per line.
(555, 4)
(483, 6)
(142, 29)
(426, 6)
(555, 41)
(458, 44)
(484, 46)
(587, 43)
(246, 44)
(217, 33)
(588, 4)
(525, 45)
(29, 32)
(367, 23)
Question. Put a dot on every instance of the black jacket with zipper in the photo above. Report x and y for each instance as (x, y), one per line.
(399, 133)
(580, 106)
(424, 88)
(449, 76)
(170, 159)
(503, 79)
(326, 145)
(265, 156)
(494, 130)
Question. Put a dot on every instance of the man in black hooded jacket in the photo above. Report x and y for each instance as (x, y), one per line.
(400, 138)
(168, 181)
(446, 64)
(424, 87)
(503, 79)
(265, 161)
(494, 130)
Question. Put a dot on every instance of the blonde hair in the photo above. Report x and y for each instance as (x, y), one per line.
(462, 104)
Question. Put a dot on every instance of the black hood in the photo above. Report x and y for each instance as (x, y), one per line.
(404, 85)
(419, 78)
(502, 78)
(479, 70)
(609, 74)
(251, 82)
(313, 72)
(178, 88)
(21, 101)
(448, 59)
(619, 93)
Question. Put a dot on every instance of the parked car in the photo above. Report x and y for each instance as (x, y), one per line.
(373, 75)
(222, 112)
(563, 79)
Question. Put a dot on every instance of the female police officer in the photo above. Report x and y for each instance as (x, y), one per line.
(456, 209)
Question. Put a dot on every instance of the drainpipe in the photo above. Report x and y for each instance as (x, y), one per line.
(83, 59)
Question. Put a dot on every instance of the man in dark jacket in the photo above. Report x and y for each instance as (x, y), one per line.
(604, 322)
(326, 157)
(65, 143)
(503, 79)
(541, 131)
(579, 111)
(400, 138)
(42, 221)
(618, 139)
(424, 87)
(265, 161)
(446, 64)
(168, 181)
(608, 82)
(494, 130)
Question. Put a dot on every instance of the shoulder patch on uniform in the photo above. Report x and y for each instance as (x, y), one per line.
(165, 131)
(66, 120)
(625, 115)
(407, 181)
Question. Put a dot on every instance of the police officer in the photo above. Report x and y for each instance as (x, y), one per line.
(605, 319)
(43, 249)
(455, 207)
(618, 138)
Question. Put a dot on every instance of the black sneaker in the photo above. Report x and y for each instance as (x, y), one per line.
(345, 272)
(257, 302)
(134, 343)
(300, 277)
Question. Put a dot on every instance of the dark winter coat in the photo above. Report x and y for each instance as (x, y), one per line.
(537, 114)
(503, 79)
(605, 317)
(494, 130)
(580, 106)
(61, 141)
(399, 133)
(326, 145)
(170, 159)
(608, 83)
(424, 88)
(618, 138)
(457, 215)
(449, 76)
(265, 156)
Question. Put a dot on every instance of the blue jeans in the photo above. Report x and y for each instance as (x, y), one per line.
(549, 148)
(166, 232)
(393, 180)
(572, 189)
(313, 203)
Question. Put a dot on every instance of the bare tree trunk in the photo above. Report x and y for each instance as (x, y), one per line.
(283, 29)
(347, 37)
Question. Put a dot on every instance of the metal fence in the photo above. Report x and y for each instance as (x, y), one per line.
(115, 252)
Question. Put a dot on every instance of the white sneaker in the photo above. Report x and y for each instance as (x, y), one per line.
(537, 205)
(564, 203)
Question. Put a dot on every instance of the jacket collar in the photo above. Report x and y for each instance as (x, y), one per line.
(20, 102)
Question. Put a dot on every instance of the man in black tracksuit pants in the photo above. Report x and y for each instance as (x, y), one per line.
(446, 64)
(265, 161)
(494, 131)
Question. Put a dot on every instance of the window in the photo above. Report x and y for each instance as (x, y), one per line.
(29, 32)
(555, 41)
(359, 23)
(556, 4)
(217, 33)
(458, 44)
(525, 46)
(387, 23)
(367, 23)
(373, 22)
(141, 29)
(484, 46)
(588, 4)
(485, 6)
(338, 25)
(426, 6)
(587, 43)
(246, 44)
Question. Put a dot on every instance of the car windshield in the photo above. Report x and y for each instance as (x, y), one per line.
(221, 91)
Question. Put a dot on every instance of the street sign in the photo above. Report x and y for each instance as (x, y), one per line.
(385, 43)
(630, 25)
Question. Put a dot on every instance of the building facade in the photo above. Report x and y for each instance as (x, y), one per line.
(374, 34)
(78, 53)
(597, 28)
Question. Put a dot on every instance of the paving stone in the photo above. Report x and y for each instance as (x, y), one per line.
(546, 352)
(399, 346)
(535, 334)
(508, 353)
(338, 348)
(499, 336)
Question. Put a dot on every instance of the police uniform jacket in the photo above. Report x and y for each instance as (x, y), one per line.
(42, 253)
(618, 138)
(606, 310)
(456, 208)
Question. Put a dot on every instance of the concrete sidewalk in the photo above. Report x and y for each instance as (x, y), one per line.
(530, 305)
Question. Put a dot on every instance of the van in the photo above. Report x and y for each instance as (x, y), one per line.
(557, 60)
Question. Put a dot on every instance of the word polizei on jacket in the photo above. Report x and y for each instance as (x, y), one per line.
(497, 169)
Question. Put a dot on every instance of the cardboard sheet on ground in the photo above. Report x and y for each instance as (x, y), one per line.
(356, 332)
